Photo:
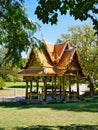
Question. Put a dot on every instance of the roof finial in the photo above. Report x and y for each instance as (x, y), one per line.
(67, 40)
(43, 40)
(42, 37)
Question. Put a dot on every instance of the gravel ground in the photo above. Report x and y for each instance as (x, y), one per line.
(82, 88)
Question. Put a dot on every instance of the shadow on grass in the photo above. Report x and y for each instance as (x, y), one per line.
(2, 128)
(70, 127)
(22, 86)
(78, 107)
(91, 98)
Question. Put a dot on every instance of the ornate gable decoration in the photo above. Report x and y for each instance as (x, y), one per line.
(33, 60)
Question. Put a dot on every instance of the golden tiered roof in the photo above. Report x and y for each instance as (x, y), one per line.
(55, 59)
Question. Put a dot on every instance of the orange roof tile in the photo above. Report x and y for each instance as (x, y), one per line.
(66, 58)
(59, 48)
(56, 51)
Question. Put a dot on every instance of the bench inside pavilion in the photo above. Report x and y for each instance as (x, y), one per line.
(55, 63)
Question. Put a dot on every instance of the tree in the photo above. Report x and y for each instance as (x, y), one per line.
(2, 55)
(84, 39)
(48, 10)
(7, 71)
(2, 84)
(16, 30)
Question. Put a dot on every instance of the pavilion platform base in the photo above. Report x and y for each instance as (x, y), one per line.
(50, 99)
(33, 101)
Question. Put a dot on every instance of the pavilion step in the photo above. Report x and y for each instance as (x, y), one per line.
(33, 101)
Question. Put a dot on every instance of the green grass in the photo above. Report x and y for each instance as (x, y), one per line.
(57, 116)
(90, 98)
(15, 84)
(68, 116)
(20, 84)
(96, 83)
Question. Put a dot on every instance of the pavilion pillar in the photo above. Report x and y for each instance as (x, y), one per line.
(63, 89)
(26, 95)
(77, 81)
(52, 86)
(45, 88)
(70, 96)
(37, 84)
(55, 87)
(60, 78)
(30, 85)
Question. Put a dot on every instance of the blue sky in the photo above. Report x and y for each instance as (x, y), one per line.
(52, 33)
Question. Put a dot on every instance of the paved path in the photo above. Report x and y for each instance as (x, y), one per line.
(11, 98)
(82, 88)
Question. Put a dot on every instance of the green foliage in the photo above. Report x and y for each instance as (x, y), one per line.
(16, 30)
(22, 62)
(7, 72)
(84, 39)
(2, 84)
(96, 83)
(10, 74)
(2, 55)
(48, 10)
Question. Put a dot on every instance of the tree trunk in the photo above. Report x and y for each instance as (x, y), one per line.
(91, 84)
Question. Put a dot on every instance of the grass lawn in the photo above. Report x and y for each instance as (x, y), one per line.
(68, 116)
(15, 84)
(19, 84)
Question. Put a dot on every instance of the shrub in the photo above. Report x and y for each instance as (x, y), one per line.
(2, 84)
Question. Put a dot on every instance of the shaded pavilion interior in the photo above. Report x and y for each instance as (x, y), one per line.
(57, 63)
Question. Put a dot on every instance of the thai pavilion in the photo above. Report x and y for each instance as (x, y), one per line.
(57, 63)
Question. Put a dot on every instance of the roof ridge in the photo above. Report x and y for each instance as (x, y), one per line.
(66, 43)
(47, 49)
(73, 51)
